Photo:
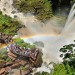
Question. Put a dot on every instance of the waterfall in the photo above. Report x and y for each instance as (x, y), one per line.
(47, 33)
(51, 34)
(71, 10)
(70, 17)
(70, 24)
(70, 29)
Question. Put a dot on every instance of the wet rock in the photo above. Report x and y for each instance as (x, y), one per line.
(38, 61)
(4, 38)
(22, 62)
(15, 16)
(4, 9)
(13, 12)
(7, 69)
(15, 65)
(2, 41)
(9, 63)
(2, 64)
(25, 72)
(19, 60)
(2, 71)
(12, 56)
(15, 72)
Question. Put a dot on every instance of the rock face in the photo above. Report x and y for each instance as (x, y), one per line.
(11, 55)
(27, 72)
(4, 38)
(32, 55)
(2, 71)
(22, 60)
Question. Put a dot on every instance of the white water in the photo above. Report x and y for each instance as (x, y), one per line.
(71, 15)
(48, 33)
(70, 24)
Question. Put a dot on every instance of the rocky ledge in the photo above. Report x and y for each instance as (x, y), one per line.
(5, 38)
(20, 64)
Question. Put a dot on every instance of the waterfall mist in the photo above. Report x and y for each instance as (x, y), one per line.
(51, 33)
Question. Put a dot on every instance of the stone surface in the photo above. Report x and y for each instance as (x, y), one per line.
(19, 60)
(11, 55)
(2, 71)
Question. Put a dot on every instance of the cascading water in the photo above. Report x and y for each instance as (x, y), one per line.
(71, 15)
(70, 23)
(47, 33)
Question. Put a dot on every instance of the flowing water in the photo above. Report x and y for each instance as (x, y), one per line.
(70, 23)
(50, 34)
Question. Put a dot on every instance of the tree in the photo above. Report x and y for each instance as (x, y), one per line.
(42, 9)
(68, 51)
(63, 69)
(68, 54)
(60, 69)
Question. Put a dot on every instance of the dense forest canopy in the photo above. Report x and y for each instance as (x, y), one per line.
(40, 8)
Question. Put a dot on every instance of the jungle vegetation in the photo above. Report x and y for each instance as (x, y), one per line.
(4, 57)
(21, 43)
(8, 25)
(40, 8)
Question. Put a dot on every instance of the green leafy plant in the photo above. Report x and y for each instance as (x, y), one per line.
(8, 25)
(20, 42)
(68, 51)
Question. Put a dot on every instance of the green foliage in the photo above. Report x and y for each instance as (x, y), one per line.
(68, 51)
(68, 54)
(23, 68)
(4, 57)
(8, 25)
(40, 8)
(20, 42)
(60, 69)
(63, 69)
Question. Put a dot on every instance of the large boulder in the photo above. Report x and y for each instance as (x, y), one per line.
(38, 61)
